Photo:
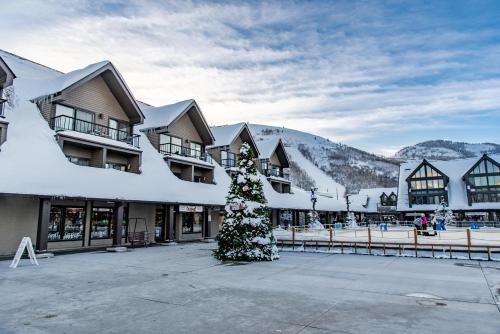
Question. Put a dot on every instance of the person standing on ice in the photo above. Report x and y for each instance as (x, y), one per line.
(424, 224)
(418, 224)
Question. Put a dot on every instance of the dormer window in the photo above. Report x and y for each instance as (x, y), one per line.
(427, 185)
(483, 181)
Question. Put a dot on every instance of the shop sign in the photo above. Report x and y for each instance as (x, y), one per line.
(190, 208)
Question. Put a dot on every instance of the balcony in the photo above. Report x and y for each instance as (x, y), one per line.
(61, 123)
(173, 149)
(228, 163)
(276, 173)
(2, 104)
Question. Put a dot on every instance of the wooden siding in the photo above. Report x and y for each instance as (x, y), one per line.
(185, 129)
(96, 96)
(47, 109)
(275, 160)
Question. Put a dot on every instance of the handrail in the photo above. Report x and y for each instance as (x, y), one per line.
(183, 151)
(63, 122)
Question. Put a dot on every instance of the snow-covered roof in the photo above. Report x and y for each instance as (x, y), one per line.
(457, 192)
(163, 116)
(226, 134)
(367, 199)
(53, 175)
(64, 81)
(267, 147)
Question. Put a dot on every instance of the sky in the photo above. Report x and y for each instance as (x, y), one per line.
(377, 75)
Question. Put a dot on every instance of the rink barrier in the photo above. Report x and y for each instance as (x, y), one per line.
(469, 247)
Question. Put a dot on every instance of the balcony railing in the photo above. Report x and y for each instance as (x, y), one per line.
(228, 163)
(2, 104)
(183, 151)
(276, 173)
(60, 123)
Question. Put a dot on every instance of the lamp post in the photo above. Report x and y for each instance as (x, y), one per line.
(314, 198)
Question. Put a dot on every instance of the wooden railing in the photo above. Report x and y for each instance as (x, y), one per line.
(460, 240)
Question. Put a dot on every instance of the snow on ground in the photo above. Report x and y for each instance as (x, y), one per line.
(396, 235)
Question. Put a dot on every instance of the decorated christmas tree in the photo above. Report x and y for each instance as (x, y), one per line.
(350, 220)
(246, 234)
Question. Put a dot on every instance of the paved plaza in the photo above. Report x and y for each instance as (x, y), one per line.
(182, 289)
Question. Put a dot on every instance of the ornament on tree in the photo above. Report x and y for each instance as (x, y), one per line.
(246, 234)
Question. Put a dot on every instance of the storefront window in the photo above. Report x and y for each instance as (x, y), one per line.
(192, 222)
(66, 223)
(101, 223)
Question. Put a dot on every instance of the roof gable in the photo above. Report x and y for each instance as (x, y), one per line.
(168, 115)
(225, 135)
(72, 80)
(268, 147)
(7, 76)
(425, 163)
(483, 158)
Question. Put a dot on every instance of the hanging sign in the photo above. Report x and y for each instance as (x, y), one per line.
(190, 208)
(25, 243)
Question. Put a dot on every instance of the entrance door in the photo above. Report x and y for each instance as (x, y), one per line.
(160, 222)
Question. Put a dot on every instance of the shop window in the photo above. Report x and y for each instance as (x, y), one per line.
(66, 223)
(101, 223)
(192, 222)
(79, 161)
(120, 167)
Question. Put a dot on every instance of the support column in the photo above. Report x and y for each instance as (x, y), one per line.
(206, 223)
(171, 222)
(43, 225)
(117, 224)
(88, 221)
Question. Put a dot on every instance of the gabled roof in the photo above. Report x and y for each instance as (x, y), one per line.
(225, 135)
(484, 157)
(111, 76)
(7, 76)
(368, 198)
(427, 163)
(268, 147)
(457, 191)
(167, 115)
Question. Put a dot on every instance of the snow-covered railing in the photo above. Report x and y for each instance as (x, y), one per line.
(2, 104)
(183, 151)
(63, 122)
(276, 173)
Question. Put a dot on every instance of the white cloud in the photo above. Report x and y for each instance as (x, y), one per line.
(344, 71)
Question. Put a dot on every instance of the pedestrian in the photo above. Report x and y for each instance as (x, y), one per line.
(424, 224)
(418, 224)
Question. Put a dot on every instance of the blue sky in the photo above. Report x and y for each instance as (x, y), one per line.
(372, 74)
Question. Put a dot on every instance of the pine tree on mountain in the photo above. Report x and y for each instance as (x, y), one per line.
(246, 234)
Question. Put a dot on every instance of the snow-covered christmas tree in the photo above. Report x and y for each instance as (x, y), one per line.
(351, 220)
(314, 222)
(443, 215)
(246, 234)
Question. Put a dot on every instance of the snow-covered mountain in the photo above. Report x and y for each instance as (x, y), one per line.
(445, 150)
(318, 161)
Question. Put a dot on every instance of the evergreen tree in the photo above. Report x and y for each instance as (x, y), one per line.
(246, 234)
(443, 215)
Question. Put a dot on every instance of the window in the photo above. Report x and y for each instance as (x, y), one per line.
(264, 165)
(119, 130)
(68, 118)
(102, 219)
(66, 223)
(228, 159)
(117, 166)
(484, 182)
(170, 144)
(192, 222)
(64, 118)
(79, 161)
(195, 150)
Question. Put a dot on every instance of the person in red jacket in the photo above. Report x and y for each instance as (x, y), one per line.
(424, 224)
